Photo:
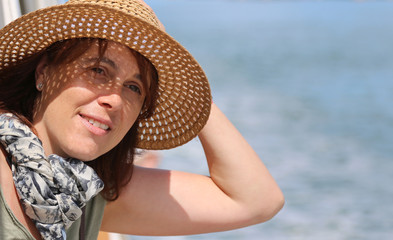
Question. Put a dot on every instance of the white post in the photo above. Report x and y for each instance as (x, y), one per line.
(9, 11)
(32, 5)
(45, 3)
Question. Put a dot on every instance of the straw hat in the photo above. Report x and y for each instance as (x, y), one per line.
(184, 100)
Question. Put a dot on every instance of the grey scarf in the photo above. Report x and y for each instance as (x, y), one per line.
(51, 189)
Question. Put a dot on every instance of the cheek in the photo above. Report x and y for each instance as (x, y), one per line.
(133, 104)
(129, 120)
(130, 113)
(55, 81)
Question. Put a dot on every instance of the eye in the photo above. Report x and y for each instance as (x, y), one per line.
(98, 73)
(134, 88)
(98, 70)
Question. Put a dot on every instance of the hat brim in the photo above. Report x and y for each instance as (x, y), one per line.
(184, 96)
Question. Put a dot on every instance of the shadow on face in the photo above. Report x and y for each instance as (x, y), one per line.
(82, 59)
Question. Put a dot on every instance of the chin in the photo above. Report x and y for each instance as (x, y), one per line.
(83, 155)
(86, 160)
(84, 149)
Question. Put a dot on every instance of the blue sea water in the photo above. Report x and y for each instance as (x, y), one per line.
(310, 85)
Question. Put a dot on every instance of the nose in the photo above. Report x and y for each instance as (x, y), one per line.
(111, 101)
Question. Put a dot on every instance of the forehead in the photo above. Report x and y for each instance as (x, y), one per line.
(114, 47)
(121, 55)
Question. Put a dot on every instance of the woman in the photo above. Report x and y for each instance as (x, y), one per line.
(82, 85)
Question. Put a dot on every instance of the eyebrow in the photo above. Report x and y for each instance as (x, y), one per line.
(103, 59)
(111, 63)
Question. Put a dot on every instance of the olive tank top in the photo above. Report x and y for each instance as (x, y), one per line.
(12, 229)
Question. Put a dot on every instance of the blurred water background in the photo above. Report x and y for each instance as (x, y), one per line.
(310, 85)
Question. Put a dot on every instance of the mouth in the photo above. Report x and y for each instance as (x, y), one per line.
(96, 123)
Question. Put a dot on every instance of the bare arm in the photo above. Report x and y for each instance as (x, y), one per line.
(238, 171)
(239, 192)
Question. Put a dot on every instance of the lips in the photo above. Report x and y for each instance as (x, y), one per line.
(96, 123)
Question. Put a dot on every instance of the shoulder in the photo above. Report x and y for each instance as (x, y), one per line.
(10, 227)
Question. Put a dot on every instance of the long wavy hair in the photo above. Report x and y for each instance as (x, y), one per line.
(18, 95)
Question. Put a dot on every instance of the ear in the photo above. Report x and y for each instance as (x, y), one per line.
(41, 69)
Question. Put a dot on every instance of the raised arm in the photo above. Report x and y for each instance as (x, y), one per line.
(238, 171)
(239, 192)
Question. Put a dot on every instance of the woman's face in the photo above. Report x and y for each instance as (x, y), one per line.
(86, 108)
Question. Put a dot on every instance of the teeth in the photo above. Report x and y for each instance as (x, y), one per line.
(98, 124)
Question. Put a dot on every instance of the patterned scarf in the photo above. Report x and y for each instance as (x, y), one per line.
(52, 190)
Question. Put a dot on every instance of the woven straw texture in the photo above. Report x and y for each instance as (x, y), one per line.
(184, 100)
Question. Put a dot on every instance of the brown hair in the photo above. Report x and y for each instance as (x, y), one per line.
(18, 94)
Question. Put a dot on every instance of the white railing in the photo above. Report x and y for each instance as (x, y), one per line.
(12, 9)
(9, 10)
